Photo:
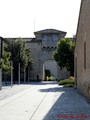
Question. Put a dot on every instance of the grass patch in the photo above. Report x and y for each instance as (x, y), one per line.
(67, 82)
(68, 85)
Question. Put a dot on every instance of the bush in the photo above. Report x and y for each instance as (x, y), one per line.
(69, 85)
(67, 82)
(51, 78)
(71, 78)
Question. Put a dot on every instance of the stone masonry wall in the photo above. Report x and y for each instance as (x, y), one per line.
(82, 50)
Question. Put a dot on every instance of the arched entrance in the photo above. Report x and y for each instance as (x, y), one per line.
(50, 69)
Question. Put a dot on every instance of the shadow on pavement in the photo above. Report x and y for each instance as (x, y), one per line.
(41, 83)
(30, 83)
(69, 103)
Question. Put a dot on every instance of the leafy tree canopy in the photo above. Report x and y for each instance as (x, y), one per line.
(21, 54)
(64, 54)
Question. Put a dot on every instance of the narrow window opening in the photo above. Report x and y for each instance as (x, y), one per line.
(85, 55)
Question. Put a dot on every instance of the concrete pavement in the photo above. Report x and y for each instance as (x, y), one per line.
(24, 105)
(45, 101)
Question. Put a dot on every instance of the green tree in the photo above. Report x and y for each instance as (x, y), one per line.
(5, 62)
(21, 54)
(64, 54)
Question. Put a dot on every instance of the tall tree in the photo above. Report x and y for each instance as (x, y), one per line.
(5, 62)
(21, 55)
(64, 54)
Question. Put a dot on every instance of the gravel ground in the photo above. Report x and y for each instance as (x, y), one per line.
(8, 91)
(69, 106)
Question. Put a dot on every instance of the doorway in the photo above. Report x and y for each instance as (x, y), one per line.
(47, 73)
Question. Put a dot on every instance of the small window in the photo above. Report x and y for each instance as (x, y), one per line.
(44, 47)
(85, 55)
(48, 47)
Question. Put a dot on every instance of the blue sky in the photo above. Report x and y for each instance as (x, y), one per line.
(20, 18)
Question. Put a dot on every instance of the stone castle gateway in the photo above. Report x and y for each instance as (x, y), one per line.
(42, 48)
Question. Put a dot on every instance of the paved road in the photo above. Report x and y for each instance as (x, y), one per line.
(45, 101)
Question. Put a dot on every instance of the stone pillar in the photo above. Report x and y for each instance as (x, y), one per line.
(11, 64)
(19, 68)
(24, 75)
(11, 73)
(19, 73)
(28, 73)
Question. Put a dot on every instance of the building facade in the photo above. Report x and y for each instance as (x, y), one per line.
(82, 50)
(42, 48)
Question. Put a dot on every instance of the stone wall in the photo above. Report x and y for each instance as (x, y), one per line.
(42, 48)
(82, 50)
(36, 55)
